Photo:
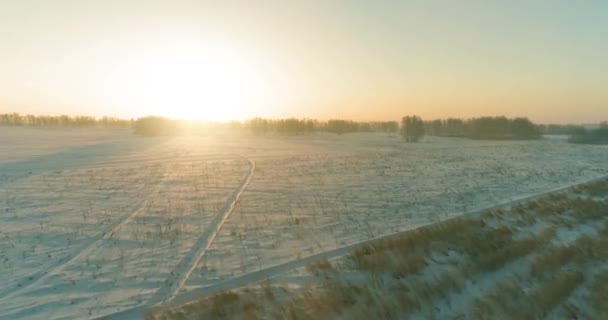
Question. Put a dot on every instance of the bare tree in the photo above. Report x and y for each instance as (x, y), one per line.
(412, 128)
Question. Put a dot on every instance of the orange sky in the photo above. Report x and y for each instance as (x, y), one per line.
(317, 59)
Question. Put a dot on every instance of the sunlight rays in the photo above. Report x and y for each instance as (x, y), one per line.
(194, 82)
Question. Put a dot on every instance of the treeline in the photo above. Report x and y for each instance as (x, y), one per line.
(16, 119)
(496, 128)
(411, 128)
(591, 136)
(294, 126)
(560, 129)
(154, 126)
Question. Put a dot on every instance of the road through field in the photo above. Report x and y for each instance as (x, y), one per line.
(219, 221)
(92, 243)
(188, 263)
(161, 189)
(267, 273)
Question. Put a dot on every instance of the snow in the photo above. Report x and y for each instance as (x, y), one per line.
(95, 222)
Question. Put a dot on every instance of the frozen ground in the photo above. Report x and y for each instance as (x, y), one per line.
(539, 258)
(95, 222)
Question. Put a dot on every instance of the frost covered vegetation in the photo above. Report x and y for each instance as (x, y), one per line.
(546, 258)
(100, 222)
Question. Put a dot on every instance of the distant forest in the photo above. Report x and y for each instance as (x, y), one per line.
(16, 119)
(305, 126)
(412, 128)
(591, 136)
(494, 128)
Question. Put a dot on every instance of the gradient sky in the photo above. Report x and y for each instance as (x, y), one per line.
(356, 59)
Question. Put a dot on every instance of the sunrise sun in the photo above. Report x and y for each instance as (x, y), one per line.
(193, 82)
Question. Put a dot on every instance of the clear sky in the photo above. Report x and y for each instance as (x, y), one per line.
(356, 59)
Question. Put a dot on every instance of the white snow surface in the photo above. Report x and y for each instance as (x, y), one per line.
(95, 222)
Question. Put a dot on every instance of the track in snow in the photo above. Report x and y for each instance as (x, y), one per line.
(189, 262)
(138, 312)
(91, 244)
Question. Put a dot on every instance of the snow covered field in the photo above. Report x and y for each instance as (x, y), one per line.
(95, 222)
(544, 257)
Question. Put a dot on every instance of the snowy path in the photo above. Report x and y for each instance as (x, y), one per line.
(274, 271)
(188, 263)
(90, 245)
(208, 229)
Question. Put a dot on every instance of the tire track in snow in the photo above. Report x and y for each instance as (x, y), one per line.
(138, 312)
(90, 245)
(188, 264)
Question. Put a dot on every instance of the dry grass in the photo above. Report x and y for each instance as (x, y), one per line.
(508, 300)
(320, 267)
(480, 241)
(552, 259)
(392, 279)
(349, 301)
(247, 305)
(599, 295)
(215, 307)
(588, 209)
(492, 260)
(425, 290)
(420, 238)
(327, 300)
(408, 303)
(548, 205)
(400, 264)
(598, 188)
(552, 292)
(406, 254)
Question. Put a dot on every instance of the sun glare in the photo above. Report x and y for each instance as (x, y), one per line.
(211, 83)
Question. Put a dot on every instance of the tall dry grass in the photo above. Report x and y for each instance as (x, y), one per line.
(393, 282)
